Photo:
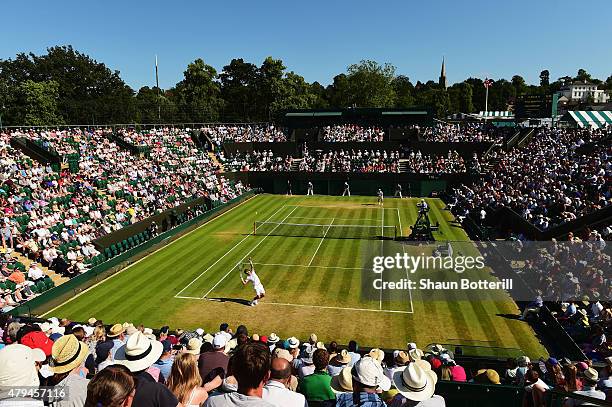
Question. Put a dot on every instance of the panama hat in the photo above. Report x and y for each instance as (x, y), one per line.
(293, 343)
(591, 374)
(273, 338)
(414, 382)
(139, 353)
(92, 321)
(18, 365)
(415, 354)
(343, 381)
(377, 354)
(193, 346)
(368, 372)
(130, 329)
(343, 357)
(320, 345)
(115, 331)
(148, 332)
(67, 353)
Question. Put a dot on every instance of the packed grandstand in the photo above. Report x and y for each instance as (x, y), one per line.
(65, 190)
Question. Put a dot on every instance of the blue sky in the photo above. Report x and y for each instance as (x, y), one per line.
(319, 39)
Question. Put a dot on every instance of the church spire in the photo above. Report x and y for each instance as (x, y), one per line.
(442, 80)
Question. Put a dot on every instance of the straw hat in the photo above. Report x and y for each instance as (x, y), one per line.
(67, 353)
(591, 374)
(193, 346)
(139, 353)
(115, 331)
(415, 382)
(273, 338)
(343, 381)
(377, 354)
(402, 358)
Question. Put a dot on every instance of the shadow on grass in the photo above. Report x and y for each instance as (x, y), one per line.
(509, 316)
(241, 301)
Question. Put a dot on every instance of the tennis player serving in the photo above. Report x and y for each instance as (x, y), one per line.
(260, 292)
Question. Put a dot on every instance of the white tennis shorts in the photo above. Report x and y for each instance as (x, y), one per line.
(259, 289)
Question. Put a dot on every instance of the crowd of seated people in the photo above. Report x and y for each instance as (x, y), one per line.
(240, 133)
(465, 132)
(352, 133)
(124, 364)
(351, 161)
(549, 181)
(420, 163)
(256, 161)
(54, 217)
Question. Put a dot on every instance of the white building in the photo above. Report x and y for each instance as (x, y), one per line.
(581, 91)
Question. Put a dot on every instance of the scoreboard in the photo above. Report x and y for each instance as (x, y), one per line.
(535, 106)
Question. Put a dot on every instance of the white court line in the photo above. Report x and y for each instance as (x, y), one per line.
(148, 255)
(287, 304)
(336, 308)
(226, 253)
(382, 242)
(245, 256)
(320, 243)
(399, 217)
(358, 219)
(304, 265)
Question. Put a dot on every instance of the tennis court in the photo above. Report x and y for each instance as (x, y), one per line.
(312, 273)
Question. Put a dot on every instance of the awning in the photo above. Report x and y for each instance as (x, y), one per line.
(591, 119)
(505, 114)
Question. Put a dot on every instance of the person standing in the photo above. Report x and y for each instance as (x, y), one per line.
(398, 191)
(347, 189)
(310, 189)
(380, 196)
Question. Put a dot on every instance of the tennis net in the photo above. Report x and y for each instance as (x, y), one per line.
(328, 231)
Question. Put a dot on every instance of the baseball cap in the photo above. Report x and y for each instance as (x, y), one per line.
(38, 340)
(369, 372)
(219, 341)
(18, 365)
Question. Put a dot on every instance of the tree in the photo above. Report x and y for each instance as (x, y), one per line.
(583, 76)
(198, 94)
(88, 91)
(544, 78)
(238, 90)
(39, 103)
(152, 103)
(466, 91)
(403, 89)
(371, 84)
(519, 85)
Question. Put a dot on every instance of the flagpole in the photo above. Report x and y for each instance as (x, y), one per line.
(158, 94)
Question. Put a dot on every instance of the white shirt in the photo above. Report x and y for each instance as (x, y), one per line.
(276, 393)
(254, 278)
(35, 273)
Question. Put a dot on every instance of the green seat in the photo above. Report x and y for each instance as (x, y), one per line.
(41, 286)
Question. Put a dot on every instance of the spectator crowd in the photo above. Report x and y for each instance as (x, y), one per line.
(54, 215)
(93, 364)
(551, 180)
(352, 133)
